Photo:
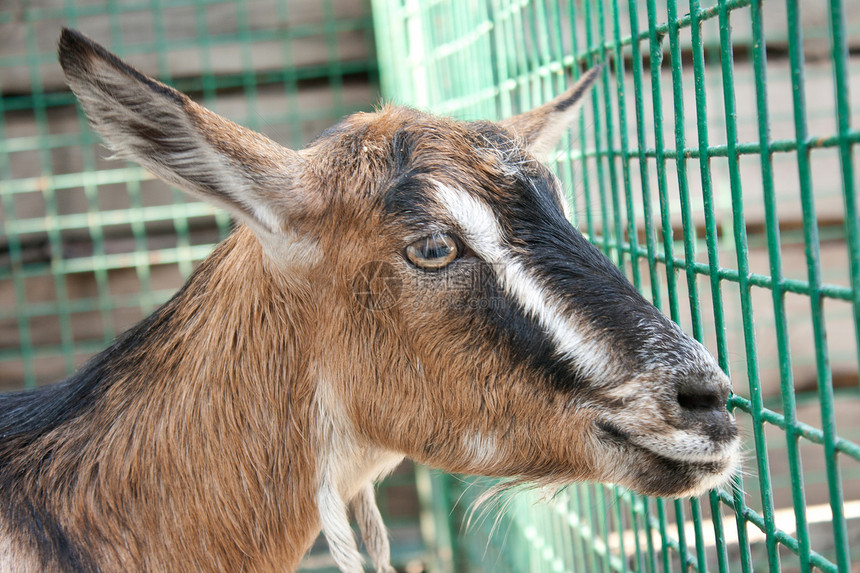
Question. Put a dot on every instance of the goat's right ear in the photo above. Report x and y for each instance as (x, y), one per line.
(179, 141)
(541, 128)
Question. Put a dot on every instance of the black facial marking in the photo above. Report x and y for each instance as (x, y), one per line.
(407, 198)
(575, 271)
(506, 320)
(406, 194)
(470, 289)
(401, 150)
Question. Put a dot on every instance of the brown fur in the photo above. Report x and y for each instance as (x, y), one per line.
(207, 452)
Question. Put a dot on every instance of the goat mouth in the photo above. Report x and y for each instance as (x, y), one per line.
(654, 471)
(674, 444)
(614, 433)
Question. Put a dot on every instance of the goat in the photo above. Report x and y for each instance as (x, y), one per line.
(405, 286)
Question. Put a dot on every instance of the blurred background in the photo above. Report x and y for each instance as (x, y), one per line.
(715, 163)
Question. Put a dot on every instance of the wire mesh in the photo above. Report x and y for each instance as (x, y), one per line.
(715, 163)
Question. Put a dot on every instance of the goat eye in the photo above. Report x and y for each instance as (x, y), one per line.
(433, 253)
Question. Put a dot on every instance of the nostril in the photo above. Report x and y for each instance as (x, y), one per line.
(700, 400)
(701, 408)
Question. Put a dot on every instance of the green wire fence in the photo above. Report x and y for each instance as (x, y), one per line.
(715, 163)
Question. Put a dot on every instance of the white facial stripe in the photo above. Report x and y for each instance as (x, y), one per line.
(476, 220)
(479, 224)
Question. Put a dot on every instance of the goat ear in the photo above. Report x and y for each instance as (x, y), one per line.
(179, 141)
(543, 126)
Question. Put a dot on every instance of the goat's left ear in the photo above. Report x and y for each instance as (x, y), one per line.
(543, 126)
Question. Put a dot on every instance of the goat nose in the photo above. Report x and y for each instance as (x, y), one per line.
(702, 393)
(701, 399)
(702, 407)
